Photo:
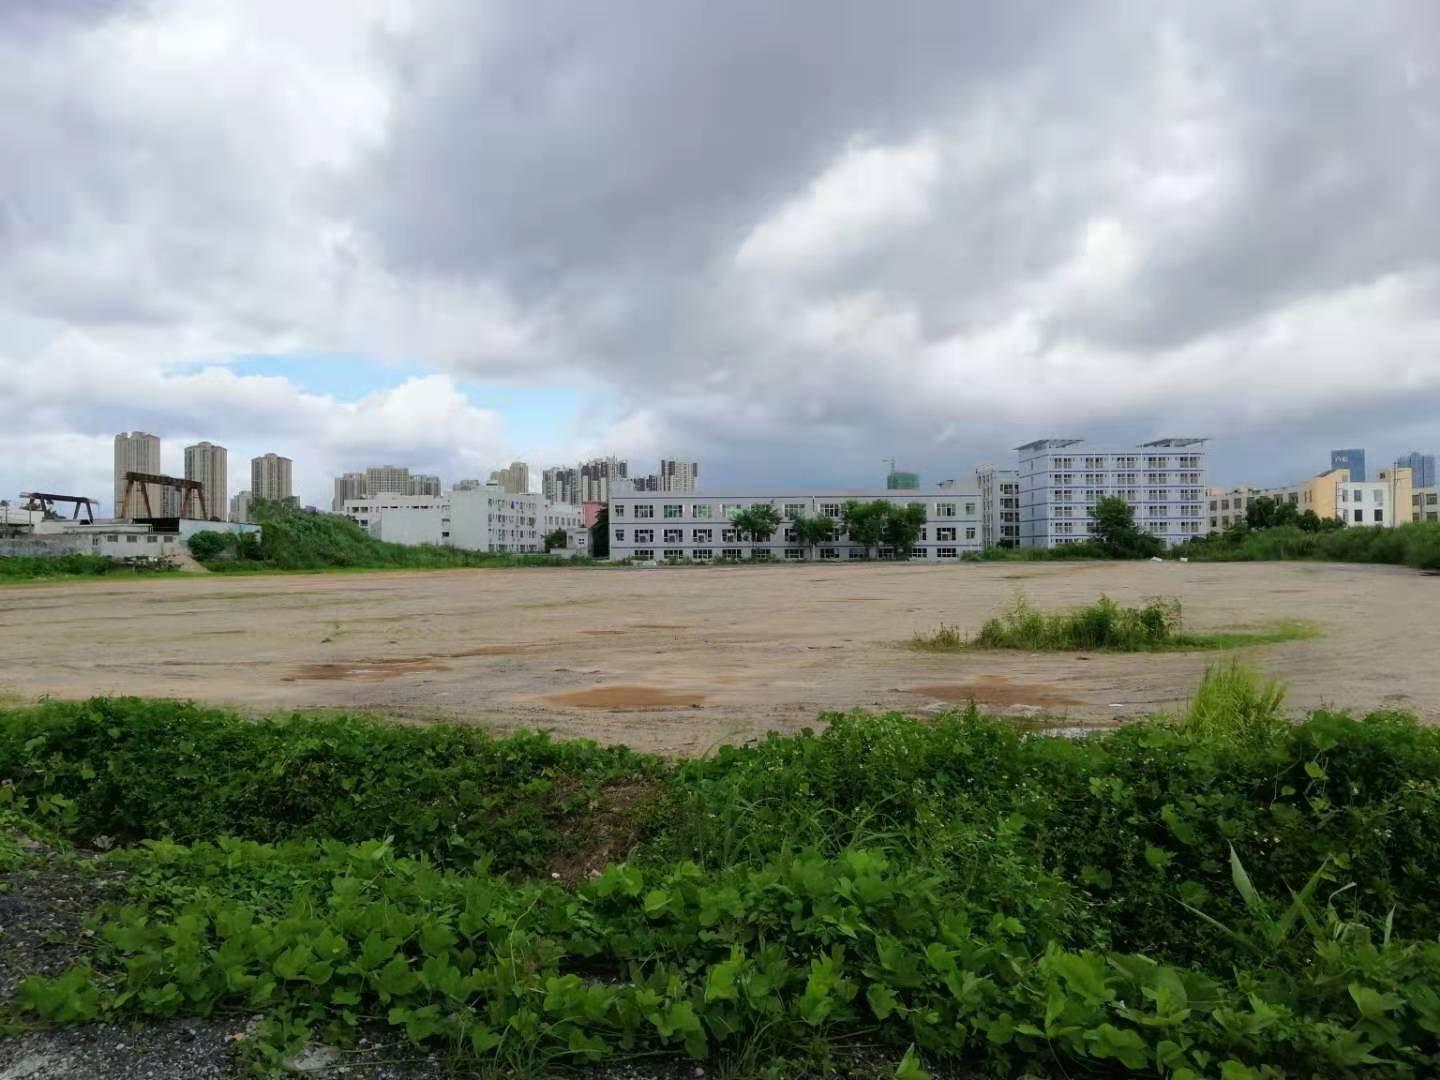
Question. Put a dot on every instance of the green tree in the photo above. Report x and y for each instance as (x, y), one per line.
(208, 545)
(757, 523)
(1260, 514)
(1115, 530)
(865, 522)
(812, 531)
(556, 538)
(902, 527)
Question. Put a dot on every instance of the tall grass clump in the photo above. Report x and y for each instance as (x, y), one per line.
(1157, 624)
(1234, 703)
(1101, 625)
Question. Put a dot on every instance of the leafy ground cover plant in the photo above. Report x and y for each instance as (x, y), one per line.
(1187, 897)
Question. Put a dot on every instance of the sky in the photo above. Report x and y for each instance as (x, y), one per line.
(787, 241)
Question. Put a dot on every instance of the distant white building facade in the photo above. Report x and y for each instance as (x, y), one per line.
(694, 527)
(999, 505)
(1061, 480)
(240, 506)
(477, 519)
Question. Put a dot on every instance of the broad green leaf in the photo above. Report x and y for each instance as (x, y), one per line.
(909, 1067)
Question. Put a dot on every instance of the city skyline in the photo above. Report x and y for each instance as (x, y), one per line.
(538, 480)
(979, 226)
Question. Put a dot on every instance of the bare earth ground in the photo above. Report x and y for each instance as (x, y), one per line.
(682, 660)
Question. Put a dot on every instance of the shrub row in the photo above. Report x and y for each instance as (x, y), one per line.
(134, 769)
(1415, 544)
(1231, 898)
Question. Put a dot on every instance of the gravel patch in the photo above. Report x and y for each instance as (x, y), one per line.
(43, 903)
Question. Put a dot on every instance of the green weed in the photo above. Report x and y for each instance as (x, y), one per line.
(1104, 625)
(17, 568)
(945, 638)
(1232, 702)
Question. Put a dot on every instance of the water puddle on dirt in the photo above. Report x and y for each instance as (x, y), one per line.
(996, 690)
(626, 697)
(367, 670)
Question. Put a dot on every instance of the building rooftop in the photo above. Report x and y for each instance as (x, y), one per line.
(1049, 444)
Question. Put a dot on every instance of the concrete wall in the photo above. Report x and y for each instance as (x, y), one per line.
(412, 526)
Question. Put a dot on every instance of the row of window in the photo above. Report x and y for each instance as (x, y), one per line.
(793, 554)
(731, 536)
(1128, 461)
(131, 538)
(1124, 479)
(791, 511)
(1359, 496)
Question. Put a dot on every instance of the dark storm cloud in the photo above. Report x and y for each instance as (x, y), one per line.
(543, 139)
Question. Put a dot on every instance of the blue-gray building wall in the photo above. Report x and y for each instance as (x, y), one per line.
(1353, 459)
(1422, 469)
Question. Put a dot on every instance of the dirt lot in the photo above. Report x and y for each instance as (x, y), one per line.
(681, 660)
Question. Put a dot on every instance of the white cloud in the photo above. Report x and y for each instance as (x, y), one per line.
(865, 194)
(426, 422)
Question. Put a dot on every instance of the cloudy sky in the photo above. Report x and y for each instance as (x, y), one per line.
(785, 240)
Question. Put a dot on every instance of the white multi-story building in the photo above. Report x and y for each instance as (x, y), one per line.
(477, 519)
(240, 507)
(698, 527)
(206, 463)
(999, 505)
(1061, 481)
(367, 512)
(271, 477)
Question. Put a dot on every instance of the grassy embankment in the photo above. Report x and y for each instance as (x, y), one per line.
(1222, 894)
(19, 568)
(1415, 544)
(1155, 626)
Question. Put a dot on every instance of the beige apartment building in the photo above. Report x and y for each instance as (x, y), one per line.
(270, 478)
(1425, 504)
(514, 479)
(1383, 502)
(136, 451)
(206, 463)
(1227, 506)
